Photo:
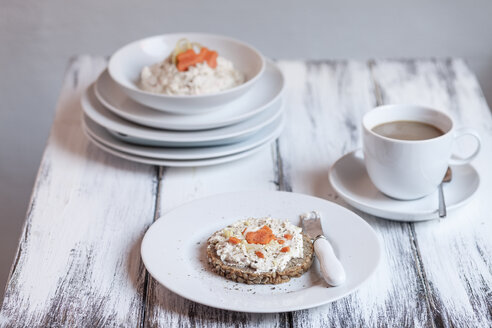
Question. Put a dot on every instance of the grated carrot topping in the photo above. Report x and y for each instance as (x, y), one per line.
(262, 236)
(190, 58)
(211, 58)
(288, 236)
(285, 249)
(234, 240)
(260, 254)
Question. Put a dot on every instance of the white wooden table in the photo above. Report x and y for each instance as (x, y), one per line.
(78, 262)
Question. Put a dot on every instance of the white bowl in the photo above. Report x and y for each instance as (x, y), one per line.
(126, 64)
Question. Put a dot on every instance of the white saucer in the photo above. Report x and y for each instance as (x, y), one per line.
(349, 178)
(143, 135)
(259, 98)
(269, 132)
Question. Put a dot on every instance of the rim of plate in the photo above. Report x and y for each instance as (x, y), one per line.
(205, 301)
(187, 126)
(90, 109)
(178, 163)
(268, 132)
(425, 214)
(163, 96)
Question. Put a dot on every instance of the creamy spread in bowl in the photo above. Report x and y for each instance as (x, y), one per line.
(199, 79)
(263, 244)
(126, 65)
(186, 72)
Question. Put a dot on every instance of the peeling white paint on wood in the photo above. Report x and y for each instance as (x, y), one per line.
(324, 115)
(180, 185)
(456, 252)
(79, 264)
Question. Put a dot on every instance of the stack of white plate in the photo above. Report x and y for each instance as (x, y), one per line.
(156, 129)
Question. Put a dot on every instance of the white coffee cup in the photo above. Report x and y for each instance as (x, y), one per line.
(410, 169)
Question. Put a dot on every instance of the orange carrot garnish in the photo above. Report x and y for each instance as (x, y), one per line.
(211, 58)
(202, 55)
(262, 236)
(288, 236)
(260, 255)
(185, 59)
(281, 241)
(190, 58)
(285, 249)
(188, 54)
(234, 240)
(244, 230)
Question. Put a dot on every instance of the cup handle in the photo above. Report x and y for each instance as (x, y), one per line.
(455, 160)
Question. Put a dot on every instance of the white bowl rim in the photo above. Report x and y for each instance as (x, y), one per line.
(208, 95)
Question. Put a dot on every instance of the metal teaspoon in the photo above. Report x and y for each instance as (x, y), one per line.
(442, 204)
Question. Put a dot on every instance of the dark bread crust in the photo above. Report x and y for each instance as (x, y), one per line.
(295, 268)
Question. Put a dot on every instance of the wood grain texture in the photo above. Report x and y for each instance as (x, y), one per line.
(455, 253)
(329, 102)
(179, 186)
(78, 263)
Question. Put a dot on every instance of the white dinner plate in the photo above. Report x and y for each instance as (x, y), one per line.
(174, 251)
(269, 132)
(148, 136)
(176, 163)
(259, 98)
(349, 178)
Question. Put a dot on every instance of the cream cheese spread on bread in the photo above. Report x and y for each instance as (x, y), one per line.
(263, 244)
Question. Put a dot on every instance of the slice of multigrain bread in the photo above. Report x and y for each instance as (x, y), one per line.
(295, 268)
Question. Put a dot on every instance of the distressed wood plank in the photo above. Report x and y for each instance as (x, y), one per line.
(323, 123)
(180, 185)
(456, 252)
(78, 262)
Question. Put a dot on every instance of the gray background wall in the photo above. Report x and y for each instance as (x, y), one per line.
(38, 37)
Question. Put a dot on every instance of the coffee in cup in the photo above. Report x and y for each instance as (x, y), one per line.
(407, 149)
(407, 130)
